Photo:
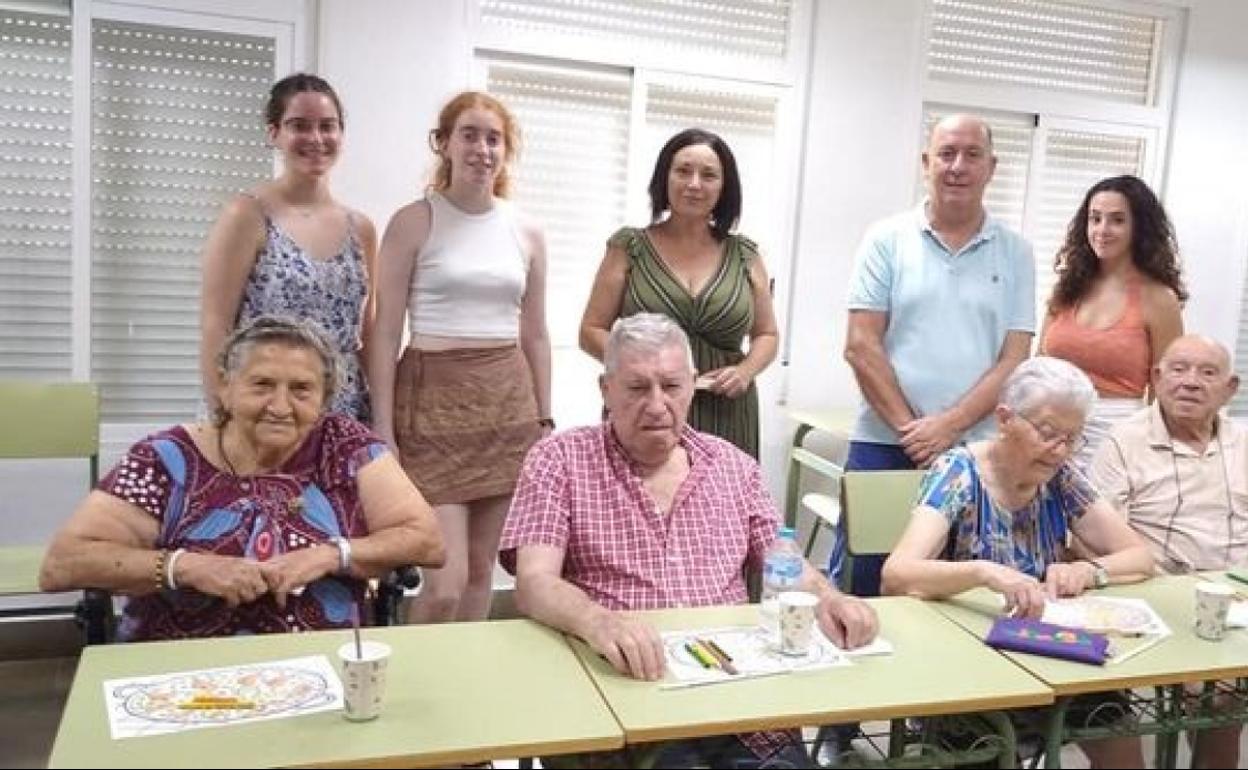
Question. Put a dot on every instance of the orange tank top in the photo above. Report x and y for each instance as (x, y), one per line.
(1117, 359)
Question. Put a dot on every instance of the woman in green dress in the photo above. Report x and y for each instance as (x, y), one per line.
(690, 266)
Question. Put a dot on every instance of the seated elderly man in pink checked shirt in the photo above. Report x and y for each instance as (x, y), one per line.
(643, 512)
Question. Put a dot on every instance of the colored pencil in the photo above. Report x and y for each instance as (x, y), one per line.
(724, 661)
(700, 656)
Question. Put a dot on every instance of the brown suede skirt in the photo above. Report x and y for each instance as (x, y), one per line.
(464, 420)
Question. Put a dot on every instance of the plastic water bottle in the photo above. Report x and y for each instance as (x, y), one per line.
(782, 569)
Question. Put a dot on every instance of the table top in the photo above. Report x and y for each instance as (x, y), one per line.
(19, 569)
(926, 675)
(456, 693)
(1181, 657)
(837, 420)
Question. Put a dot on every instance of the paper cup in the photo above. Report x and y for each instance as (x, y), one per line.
(364, 679)
(797, 621)
(1213, 600)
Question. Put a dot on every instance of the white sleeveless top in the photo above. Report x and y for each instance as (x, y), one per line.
(470, 276)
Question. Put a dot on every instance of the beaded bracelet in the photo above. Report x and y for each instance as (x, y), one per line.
(161, 556)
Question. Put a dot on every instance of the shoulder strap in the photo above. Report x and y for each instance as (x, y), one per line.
(264, 207)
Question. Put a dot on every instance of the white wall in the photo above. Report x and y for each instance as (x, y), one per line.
(394, 63)
(863, 115)
(1205, 192)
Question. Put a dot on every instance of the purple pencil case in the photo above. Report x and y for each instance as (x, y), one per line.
(1037, 638)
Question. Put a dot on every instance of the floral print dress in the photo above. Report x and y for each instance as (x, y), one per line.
(288, 281)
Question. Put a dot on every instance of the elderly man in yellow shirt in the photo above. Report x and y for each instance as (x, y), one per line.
(1179, 471)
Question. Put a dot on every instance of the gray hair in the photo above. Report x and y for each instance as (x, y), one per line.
(291, 332)
(649, 332)
(1044, 380)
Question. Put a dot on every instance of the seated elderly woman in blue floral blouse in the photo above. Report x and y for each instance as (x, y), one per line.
(1001, 513)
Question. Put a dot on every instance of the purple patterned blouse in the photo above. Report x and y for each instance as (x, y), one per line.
(312, 498)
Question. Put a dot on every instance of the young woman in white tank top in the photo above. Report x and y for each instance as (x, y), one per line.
(471, 392)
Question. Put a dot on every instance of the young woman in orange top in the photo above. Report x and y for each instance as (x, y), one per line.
(1118, 300)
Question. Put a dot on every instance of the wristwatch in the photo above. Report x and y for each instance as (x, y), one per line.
(1100, 575)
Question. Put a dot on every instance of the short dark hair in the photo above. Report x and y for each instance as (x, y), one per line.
(285, 89)
(727, 209)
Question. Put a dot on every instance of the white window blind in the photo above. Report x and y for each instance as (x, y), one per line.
(572, 179)
(1073, 48)
(177, 128)
(35, 195)
(1073, 162)
(753, 29)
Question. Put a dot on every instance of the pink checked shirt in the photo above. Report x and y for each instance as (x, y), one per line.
(578, 491)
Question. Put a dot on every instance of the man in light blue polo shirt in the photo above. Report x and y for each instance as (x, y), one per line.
(941, 310)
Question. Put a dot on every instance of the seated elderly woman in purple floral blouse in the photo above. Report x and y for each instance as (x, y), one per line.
(269, 518)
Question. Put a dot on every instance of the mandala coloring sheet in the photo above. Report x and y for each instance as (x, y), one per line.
(214, 697)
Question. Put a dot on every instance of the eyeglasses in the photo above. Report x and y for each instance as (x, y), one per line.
(1051, 438)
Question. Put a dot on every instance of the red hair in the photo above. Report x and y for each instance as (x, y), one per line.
(439, 136)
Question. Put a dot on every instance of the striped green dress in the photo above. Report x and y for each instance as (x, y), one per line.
(716, 320)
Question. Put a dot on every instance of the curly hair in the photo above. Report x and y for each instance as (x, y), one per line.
(1154, 251)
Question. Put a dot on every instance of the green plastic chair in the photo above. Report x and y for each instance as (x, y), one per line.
(46, 420)
(876, 508)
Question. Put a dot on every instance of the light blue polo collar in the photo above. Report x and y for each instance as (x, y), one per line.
(988, 229)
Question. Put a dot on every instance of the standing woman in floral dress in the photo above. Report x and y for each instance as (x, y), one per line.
(288, 248)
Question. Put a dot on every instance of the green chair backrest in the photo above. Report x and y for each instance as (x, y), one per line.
(876, 508)
(50, 419)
